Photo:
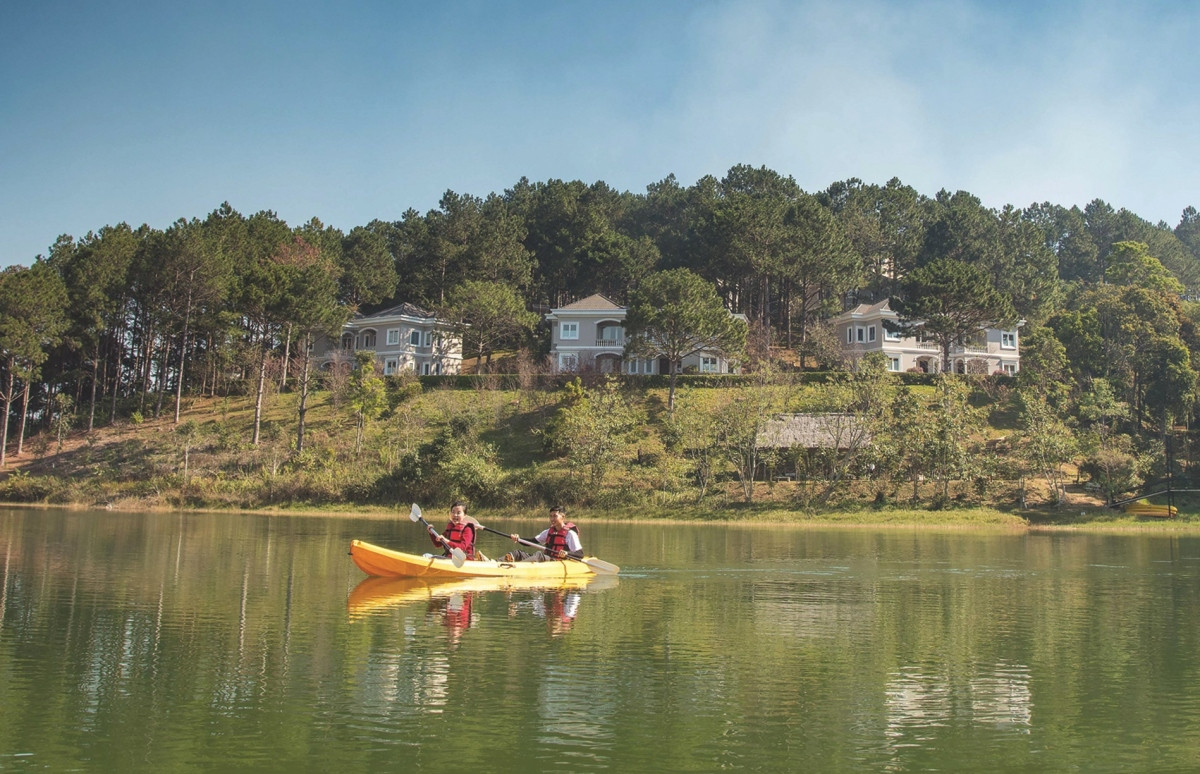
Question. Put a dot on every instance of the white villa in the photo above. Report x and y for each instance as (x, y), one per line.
(861, 330)
(590, 335)
(403, 338)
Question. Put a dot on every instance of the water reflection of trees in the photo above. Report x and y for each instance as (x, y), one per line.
(146, 627)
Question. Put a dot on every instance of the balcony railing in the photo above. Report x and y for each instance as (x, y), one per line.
(956, 349)
(619, 342)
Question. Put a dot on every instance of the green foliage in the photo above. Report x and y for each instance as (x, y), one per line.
(676, 314)
(1114, 464)
(593, 429)
(740, 420)
(949, 301)
(20, 487)
(954, 425)
(366, 395)
(402, 387)
(1048, 443)
(488, 316)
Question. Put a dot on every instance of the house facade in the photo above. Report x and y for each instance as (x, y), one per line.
(589, 335)
(403, 338)
(861, 330)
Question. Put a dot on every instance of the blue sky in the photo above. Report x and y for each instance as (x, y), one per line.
(148, 112)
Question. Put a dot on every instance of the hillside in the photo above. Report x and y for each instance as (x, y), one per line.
(491, 446)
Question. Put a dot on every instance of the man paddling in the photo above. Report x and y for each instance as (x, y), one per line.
(561, 540)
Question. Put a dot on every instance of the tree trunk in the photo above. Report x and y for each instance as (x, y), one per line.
(187, 322)
(303, 409)
(24, 417)
(262, 385)
(287, 354)
(161, 386)
(95, 382)
(671, 385)
(118, 352)
(6, 399)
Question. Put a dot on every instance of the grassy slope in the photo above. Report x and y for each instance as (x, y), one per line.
(130, 466)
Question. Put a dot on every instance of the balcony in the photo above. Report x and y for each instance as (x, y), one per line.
(607, 342)
(956, 349)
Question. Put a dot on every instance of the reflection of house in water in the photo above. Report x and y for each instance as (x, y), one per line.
(1000, 699)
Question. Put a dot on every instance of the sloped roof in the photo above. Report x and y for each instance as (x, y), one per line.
(594, 302)
(402, 310)
(812, 431)
(865, 309)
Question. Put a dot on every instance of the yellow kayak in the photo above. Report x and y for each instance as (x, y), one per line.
(375, 594)
(383, 562)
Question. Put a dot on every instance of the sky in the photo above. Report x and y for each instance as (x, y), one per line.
(147, 112)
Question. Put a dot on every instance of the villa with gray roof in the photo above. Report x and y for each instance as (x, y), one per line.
(589, 335)
(861, 330)
(403, 338)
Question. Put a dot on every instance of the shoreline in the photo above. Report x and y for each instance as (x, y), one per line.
(980, 519)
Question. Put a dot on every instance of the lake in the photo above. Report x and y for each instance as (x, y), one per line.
(213, 642)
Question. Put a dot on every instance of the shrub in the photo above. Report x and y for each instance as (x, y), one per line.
(20, 487)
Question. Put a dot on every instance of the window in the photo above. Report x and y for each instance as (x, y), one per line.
(367, 340)
(428, 338)
(893, 364)
(708, 365)
(568, 331)
(1008, 340)
(414, 338)
(890, 335)
(1009, 368)
(389, 365)
(425, 369)
(568, 362)
(860, 334)
(871, 333)
(393, 337)
(850, 334)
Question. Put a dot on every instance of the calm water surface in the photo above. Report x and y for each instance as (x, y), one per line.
(159, 642)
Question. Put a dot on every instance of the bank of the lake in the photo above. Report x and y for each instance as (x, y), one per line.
(206, 463)
(947, 520)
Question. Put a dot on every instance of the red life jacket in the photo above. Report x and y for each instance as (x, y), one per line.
(457, 534)
(556, 540)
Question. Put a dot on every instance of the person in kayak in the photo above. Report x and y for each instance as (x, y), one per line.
(459, 533)
(561, 540)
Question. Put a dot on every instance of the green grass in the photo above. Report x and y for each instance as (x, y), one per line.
(139, 466)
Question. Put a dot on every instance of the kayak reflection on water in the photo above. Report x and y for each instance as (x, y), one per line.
(454, 600)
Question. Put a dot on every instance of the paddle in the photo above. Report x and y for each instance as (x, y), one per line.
(457, 555)
(598, 565)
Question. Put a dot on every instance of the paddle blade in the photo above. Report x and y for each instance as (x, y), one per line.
(458, 556)
(415, 513)
(602, 567)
